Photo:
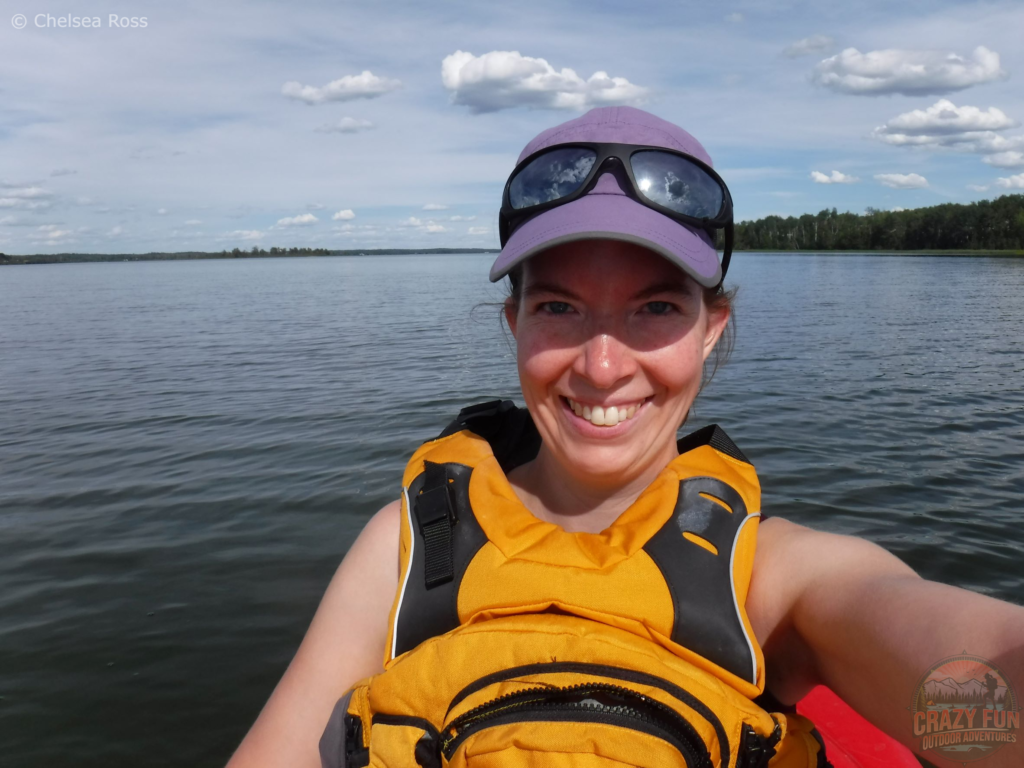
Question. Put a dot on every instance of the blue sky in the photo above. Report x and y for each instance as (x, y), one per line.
(394, 124)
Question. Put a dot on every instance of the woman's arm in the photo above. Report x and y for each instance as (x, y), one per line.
(344, 643)
(844, 612)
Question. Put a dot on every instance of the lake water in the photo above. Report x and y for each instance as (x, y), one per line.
(188, 448)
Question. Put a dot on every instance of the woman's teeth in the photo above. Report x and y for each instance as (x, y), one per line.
(603, 417)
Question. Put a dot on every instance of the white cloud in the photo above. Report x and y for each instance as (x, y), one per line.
(346, 125)
(244, 234)
(946, 118)
(161, 211)
(901, 180)
(115, 231)
(315, 206)
(193, 222)
(435, 207)
(303, 219)
(24, 198)
(978, 142)
(28, 205)
(961, 129)
(430, 226)
(978, 187)
(911, 73)
(1013, 182)
(348, 229)
(1005, 160)
(506, 79)
(9, 221)
(812, 44)
(362, 86)
(478, 231)
(52, 233)
(462, 218)
(734, 18)
(897, 209)
(833, 178)
(344, 215)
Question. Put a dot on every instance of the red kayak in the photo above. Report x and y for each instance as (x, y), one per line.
(850, 740)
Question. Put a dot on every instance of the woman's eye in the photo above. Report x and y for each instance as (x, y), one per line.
(659, 307)
(556, 307)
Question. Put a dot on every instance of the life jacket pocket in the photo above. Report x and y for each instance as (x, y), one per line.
(397, 740)
(590, 725)
(555, 715)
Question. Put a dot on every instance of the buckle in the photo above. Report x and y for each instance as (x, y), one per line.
(433, 507)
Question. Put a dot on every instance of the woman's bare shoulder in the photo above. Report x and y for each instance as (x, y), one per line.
(792, 558)
(799, 576)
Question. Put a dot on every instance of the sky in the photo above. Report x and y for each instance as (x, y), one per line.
(159, 126)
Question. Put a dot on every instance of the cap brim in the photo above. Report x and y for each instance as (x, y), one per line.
(612, 217)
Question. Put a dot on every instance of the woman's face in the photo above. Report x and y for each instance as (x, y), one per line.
(611, 339)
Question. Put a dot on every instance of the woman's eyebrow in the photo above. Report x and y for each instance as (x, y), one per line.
(669, 286)
(531, 289)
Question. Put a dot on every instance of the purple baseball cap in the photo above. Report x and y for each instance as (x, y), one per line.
(606, 212)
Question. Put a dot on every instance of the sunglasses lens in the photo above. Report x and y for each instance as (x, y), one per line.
(677, 184)
(551, 176)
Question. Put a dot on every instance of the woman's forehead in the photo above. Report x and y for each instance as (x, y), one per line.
(602, 262)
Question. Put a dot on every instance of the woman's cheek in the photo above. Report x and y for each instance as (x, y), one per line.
(542, 365)
(677, 369)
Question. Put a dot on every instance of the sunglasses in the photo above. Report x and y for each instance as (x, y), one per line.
(673, 183)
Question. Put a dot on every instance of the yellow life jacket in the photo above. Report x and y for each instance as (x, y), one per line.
(516, 643)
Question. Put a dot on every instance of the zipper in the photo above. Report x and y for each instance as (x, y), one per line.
(587, 702)
(609, 672)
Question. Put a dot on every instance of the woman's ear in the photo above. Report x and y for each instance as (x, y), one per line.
(718, 318)
(511, 314)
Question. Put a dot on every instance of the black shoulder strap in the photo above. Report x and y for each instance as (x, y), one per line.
(445, 533)
(510, 431)
(714, 436)
(435, 516)
(445, 538)
(699, 578)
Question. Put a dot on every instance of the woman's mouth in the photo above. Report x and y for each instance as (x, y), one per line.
(604, 416)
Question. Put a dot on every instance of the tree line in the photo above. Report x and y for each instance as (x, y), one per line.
(275, 251)
(985, 225)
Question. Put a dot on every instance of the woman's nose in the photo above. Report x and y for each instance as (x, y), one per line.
(604, 361)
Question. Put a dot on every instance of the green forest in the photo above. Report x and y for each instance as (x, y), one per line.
(985, 225)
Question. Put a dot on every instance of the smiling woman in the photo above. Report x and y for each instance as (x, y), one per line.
(569, 584)
(609, 369)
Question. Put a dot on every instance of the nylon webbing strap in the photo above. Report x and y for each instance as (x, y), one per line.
(436, 517)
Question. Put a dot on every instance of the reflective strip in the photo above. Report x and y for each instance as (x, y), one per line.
(408, 570)
(735, 602)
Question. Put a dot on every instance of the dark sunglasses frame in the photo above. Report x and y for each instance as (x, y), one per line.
(511, 218)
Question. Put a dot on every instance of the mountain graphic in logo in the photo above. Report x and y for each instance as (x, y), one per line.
(971, 691)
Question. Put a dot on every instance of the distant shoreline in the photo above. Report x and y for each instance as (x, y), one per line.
(78, 258)
(1009, 252)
